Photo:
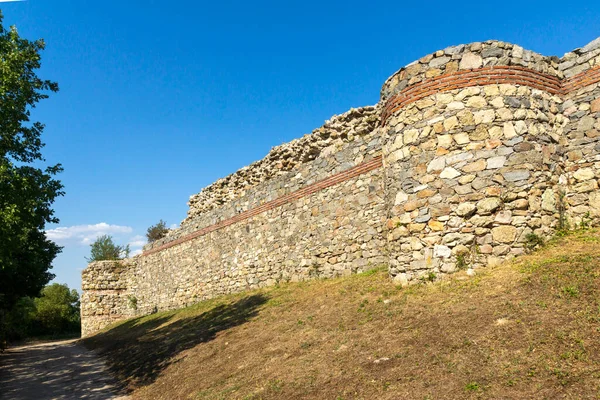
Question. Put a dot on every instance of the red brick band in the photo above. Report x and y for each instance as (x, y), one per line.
(487, 76)
(340, 177)
(114, 317)
(581, 80)
(515, 75)
(104, 291)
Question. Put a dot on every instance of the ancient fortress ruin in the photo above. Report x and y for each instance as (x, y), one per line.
(470, 150)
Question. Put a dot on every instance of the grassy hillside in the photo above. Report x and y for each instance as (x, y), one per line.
(526, 330)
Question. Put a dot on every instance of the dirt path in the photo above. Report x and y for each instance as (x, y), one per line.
(57, 370)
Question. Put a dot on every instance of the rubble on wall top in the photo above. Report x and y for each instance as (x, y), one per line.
(356, 122)
(492, 52)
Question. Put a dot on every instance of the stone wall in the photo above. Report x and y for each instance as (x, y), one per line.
(468, 149)
(579, 140)
(276, 167)
(320, 216)
(104, 294)
(471, 151)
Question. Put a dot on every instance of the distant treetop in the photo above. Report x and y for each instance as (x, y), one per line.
(105, 249)
(158, 231)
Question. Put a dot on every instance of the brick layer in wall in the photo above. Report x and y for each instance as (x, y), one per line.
(340, 177)
(456, 80)
(487, 76)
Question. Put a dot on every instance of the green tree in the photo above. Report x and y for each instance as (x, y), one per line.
(105, 249)
(156, 232)
(56, 311)
(26, 191)
(19, 320)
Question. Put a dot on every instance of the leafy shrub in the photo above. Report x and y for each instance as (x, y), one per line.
(132, 302)
(156, 232)
(105, 249)
(461, 261)
(19, 320)
(585, 221)
(532, 241)
(54, 313)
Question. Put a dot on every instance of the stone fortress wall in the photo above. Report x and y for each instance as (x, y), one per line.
(469, 150)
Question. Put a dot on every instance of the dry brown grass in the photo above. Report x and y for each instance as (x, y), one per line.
(526, 330)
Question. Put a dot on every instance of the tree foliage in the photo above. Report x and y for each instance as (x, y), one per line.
(19, 320)
(156, 232)
(105, 249)
(57, 310)
(54, 313)
(26, 191)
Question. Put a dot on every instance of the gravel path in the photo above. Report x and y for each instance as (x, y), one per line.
(57, 370)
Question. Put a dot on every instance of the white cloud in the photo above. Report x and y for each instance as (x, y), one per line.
(135, 252)
(84, 234)
(137, 241)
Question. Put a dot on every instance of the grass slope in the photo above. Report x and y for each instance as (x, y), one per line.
(526, 330)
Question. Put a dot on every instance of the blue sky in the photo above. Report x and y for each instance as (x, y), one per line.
(159, 99)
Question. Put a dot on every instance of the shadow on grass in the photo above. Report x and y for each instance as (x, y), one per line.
(138, 351)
